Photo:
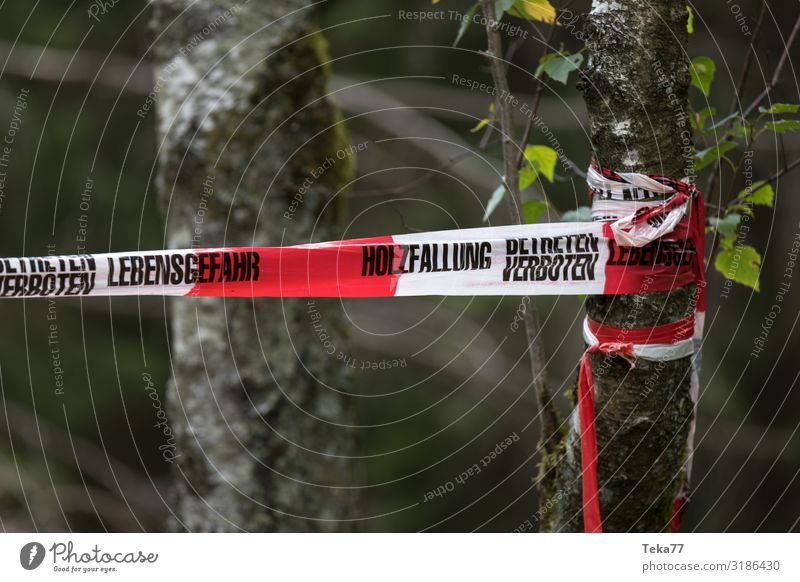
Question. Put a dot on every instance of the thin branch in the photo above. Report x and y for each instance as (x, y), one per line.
(512, 49)
(785, 170)
(776, 76)
(750, 137)
(405, 224)
(502, 110)
(537, 98)
(712, 178)
(748, 60)
(550, 419)
(487, 132)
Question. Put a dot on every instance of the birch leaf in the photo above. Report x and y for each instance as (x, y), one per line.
(703, 69)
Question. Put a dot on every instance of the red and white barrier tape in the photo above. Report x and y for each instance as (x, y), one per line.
(647, 235)
(661, 343)
(539, 259)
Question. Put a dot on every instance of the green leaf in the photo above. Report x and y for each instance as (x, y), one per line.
(485, 121)
(501, 6)
(494, 201)
(690, 21)
(780, 108)
(705, 157)
(759, 194)
(540, 10)
(741, 264)
(466, 22)
(527, 176)
(783, 125)
(726, 227)
(532, 210)
(481, 124)
(703, 69)
(580, 214)
(541, 160)
(559, 66)
(743, 208)
(740, 129)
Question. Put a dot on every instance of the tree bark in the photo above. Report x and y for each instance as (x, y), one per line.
(260, 426)
(635, 87)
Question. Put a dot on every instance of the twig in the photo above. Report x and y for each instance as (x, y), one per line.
(487, 133)
(748, 60)
(405, 225)
(537, 97)
(503, 111)
(785, 170)
(776, 76)
(512, 49)
(750, 137)
(767, 90)
(712, 178)
(550, 420)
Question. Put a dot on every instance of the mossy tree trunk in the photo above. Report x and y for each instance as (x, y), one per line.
(242, 122)
(635, 87)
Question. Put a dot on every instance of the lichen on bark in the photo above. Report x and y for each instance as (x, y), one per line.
(262, 435)
(635, 87)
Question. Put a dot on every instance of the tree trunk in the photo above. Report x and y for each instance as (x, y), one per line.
(635, 88)
(254, 402)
